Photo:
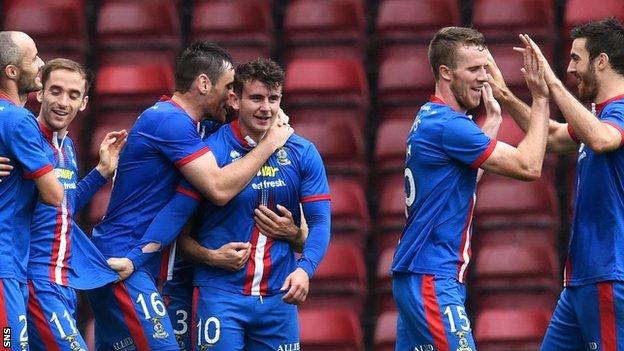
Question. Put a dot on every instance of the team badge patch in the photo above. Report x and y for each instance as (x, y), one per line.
(74, 345)
(282, 156)
(463, 342)
(159, 329)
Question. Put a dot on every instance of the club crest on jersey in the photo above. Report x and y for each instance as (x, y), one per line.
(159, 329)
(74, 345)
(463, 342)
(282, 156)
(180, 340)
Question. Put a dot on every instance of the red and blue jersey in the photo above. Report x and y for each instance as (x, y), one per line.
(292, 175)
(59, 251)
(163, 139)
(444, 151)
(596, 251)
(21, 142)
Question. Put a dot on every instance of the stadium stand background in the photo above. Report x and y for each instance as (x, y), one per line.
(357, 71)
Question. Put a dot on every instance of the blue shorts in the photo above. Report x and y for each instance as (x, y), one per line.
(52, 317)
(431, 313)
(226, 321)
(179, 308)
(131, 315)
(588, 317)
(13, 297)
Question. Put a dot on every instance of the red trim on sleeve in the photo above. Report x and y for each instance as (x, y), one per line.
(614, 125)
(38, 173)
(573, 134)
(316, 198)
(484, 156)
(192, 156)
(193, 195)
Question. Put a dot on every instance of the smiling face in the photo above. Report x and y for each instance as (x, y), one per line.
(257, 108)
(468, 76)
(583, 69)
(61, 98)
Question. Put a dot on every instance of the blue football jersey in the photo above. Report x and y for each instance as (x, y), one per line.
(59, 251)
(596, 251)
(294, 174)
(21, 142)
(444, 150)
(163, 139)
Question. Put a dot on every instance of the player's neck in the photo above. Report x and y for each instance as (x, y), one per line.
(444, 92)
(609, 88)
(186, 101)
(246, 133)
(9, 90)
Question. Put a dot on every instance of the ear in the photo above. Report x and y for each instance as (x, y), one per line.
(83, 105)
(233, 100)
(11, 71)
(601, 61)
(203, 83)
(40, 95)
(445, 72)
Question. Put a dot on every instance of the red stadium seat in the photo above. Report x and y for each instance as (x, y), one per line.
(132, 31)
(349, 212)
(412, 22)
(546, 236)
(505, 204)
(385, 331)
(386, 240)
(108, 122)
(320, 29)
(579, 12)
(330, 330)
(244, 27)
(58, 27)
(132, 86)
(326, 89)
(383, 283)
(506, 274)
(339, 281)
(339, 141)
(517, 329)
(502, 21)
(390, 145)
(405, 83)
(391, 207)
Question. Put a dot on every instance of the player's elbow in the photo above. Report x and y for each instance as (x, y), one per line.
(53, 197)
(219, 197)
(600, 145)
(529, 173)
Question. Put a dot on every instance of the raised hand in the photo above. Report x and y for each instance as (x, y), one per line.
(495, 77)
(110, 148)
(492, 107)
(534, 73)
(549, 74)
(280, 131)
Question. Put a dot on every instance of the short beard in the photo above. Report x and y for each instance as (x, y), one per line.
(589, 81)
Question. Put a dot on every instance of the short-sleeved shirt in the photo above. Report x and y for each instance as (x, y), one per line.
(22, 143)
(596, 251)
(163, 139)
(294, 174)
(444, 150)
(59, 251)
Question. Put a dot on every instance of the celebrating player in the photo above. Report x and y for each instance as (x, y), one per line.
(22, 143)
(444, 150)
(164, 145)
(587, 310)
(62, 258)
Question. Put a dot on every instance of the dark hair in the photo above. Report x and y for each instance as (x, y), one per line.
(603, 36)
(68, 65)
(263, 70)
(443, 46)
(200, 57)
